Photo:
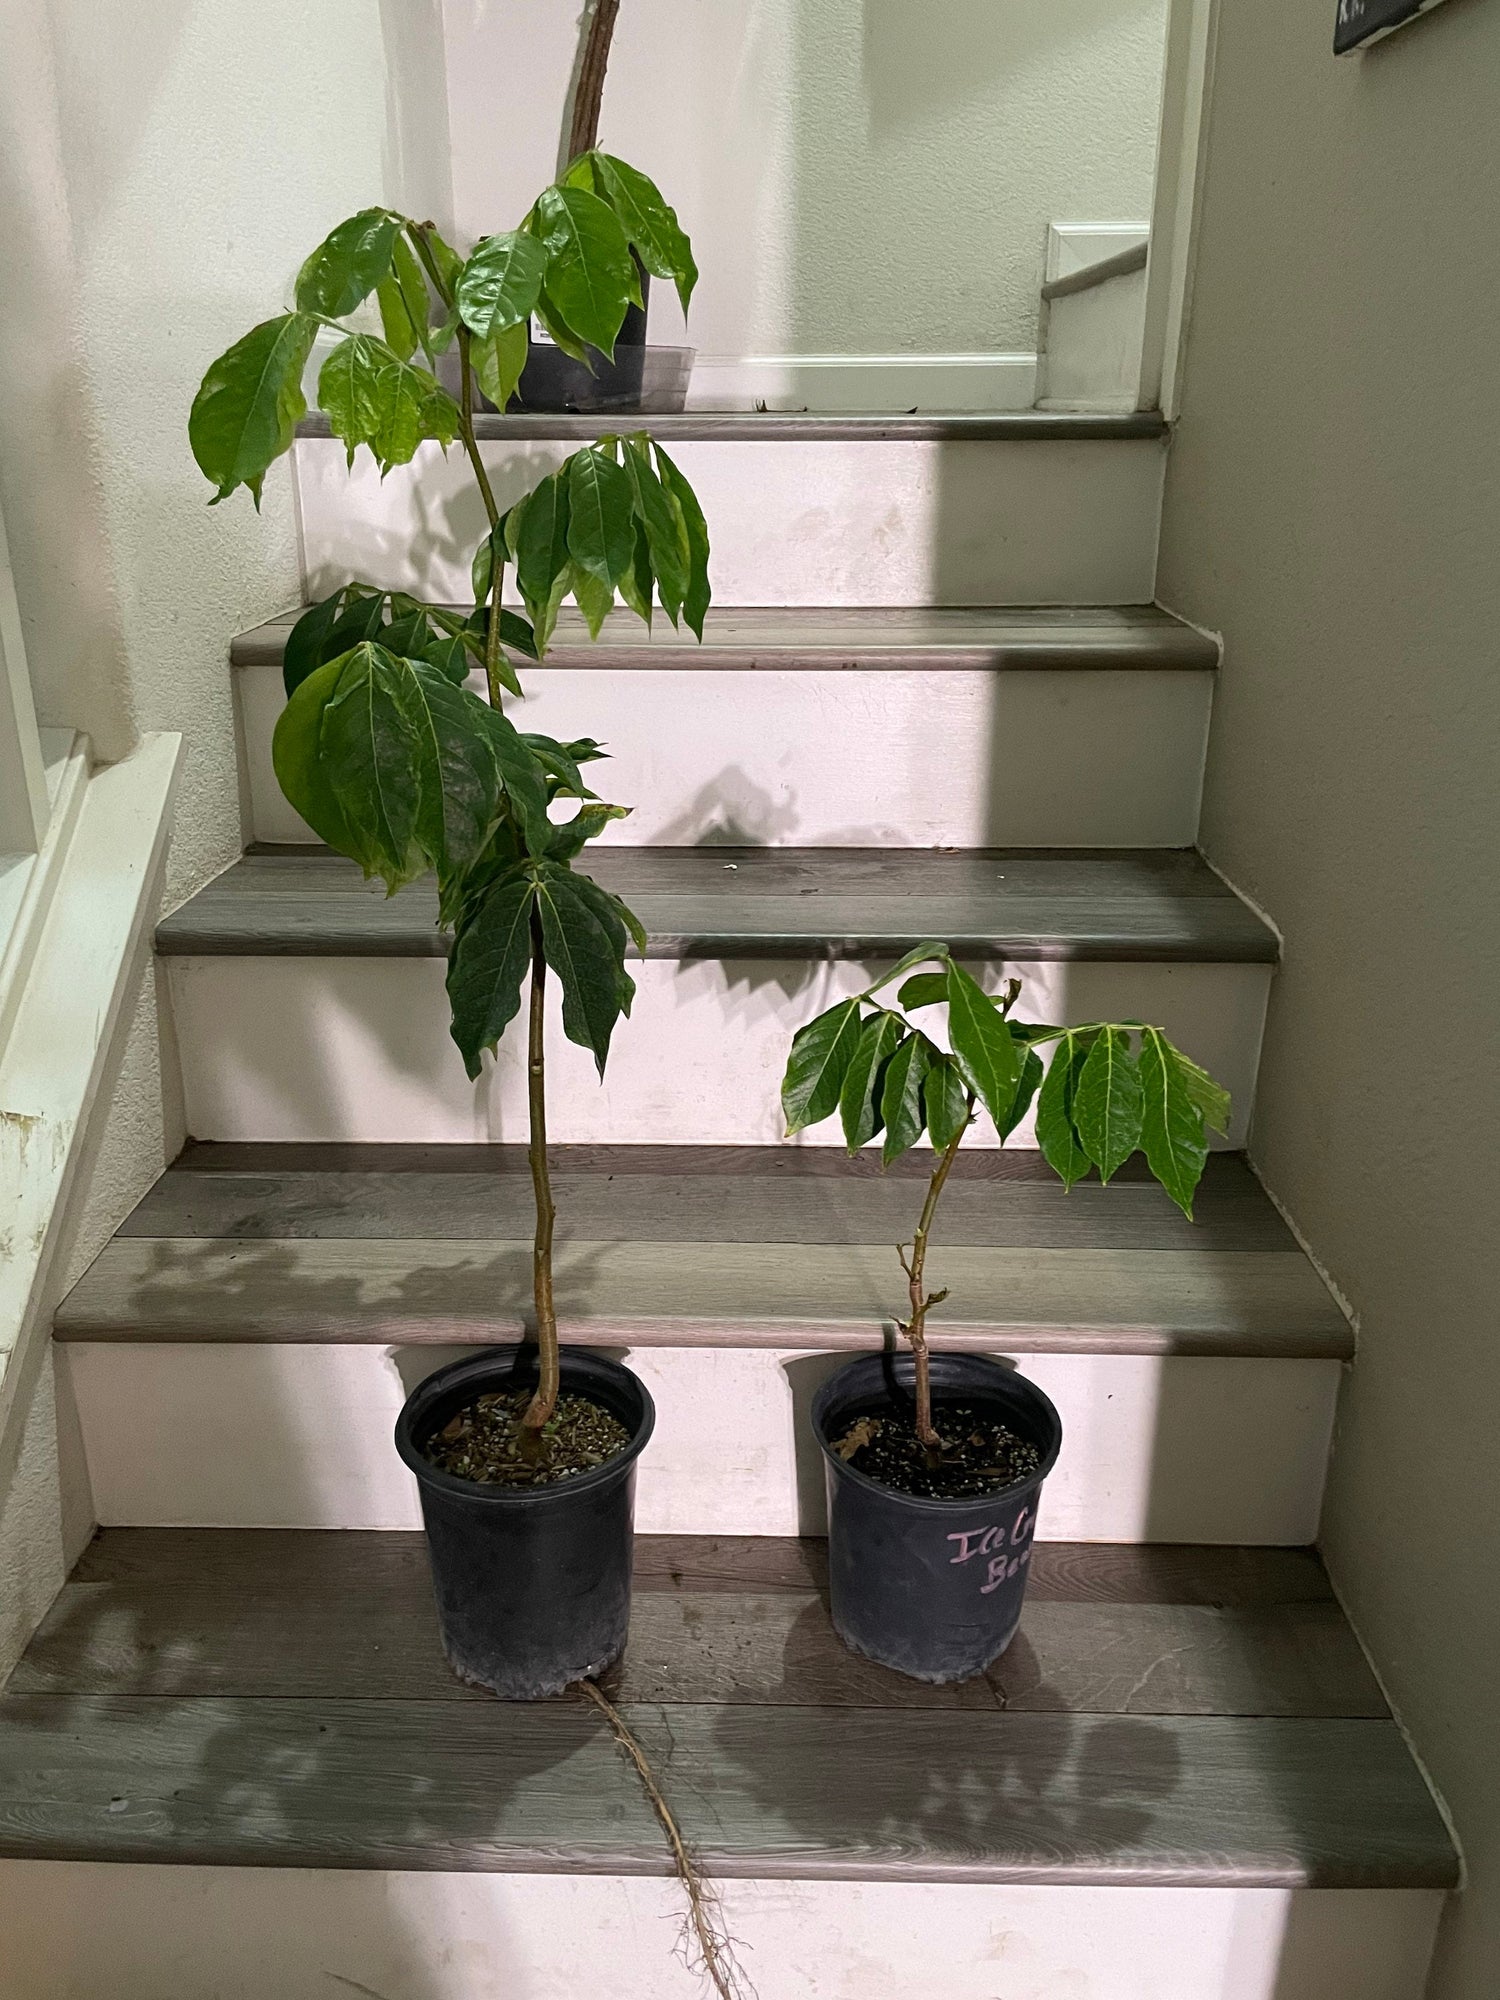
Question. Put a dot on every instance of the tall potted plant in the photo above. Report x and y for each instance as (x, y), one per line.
(934, 1462)
(525, 1457)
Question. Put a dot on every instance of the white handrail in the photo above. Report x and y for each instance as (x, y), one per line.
(23, 779)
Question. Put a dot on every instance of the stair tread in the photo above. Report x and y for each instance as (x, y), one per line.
(249, 1697)
(944, 638)
(770, 426)
(788, 1248)
(1157, 904)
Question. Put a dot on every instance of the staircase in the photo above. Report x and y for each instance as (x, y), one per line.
(233, 1761)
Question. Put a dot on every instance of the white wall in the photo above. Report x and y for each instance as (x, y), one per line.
(1333, 504)
(858, 176)
(163, 170)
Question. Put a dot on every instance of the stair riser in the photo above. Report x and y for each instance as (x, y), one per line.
(284, 1435)
(75, 1930)
(851, 759)
(358, 1048)
(791, 522)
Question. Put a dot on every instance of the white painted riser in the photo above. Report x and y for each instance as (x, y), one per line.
(791, 522)
(299, 1436)
(854, 759)
(358, 1048)
(77, 1931)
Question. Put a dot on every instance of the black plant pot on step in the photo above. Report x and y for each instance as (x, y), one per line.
(554, 381)
(532, 1583)
(932, 1588)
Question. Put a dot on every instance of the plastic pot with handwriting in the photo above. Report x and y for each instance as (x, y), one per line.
(932, 1588)
(532, 1583)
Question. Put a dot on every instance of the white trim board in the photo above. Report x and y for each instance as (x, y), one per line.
(884, 382)
(279, 1435)
(143, 1933)
(1073, 246)
(69, 1009)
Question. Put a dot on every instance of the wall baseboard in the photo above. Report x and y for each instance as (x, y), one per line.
(863, 382)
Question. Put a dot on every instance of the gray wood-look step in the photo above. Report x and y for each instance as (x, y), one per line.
(783, 902)
(945, 639)
(1193, 1717)
(748, 1247)
(829, 427)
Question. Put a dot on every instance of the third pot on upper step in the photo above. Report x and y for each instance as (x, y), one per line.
(932, 1588)
(532, 1583)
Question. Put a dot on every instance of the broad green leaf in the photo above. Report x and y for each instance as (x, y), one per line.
(584, 938)
(451, 657)
(1172, 1134)
(549, 317)
(482, 568)
(819, 1060)
(591, 276)
(499, 286)
(901, 1099)
(1055, 1109)
(635, 929)
(594, 599)
(924, 989)
(601, 525)
(297, 759)
(699, 594)
(249, 404)
(449, 263)
(1026, 1090)
(371, 754)
(638, 582)
(372, 397)
(537, 532)
(461, 777)
(303, 652)
(560, 762)
(659, 512)
(986, 1052)
(859, 1097)
(918, 955)
(491, 952)
(1108, 1105)
(404, 306)
(523, 777)
(658, 237)
(498, 361)
(946, 1102)
(570, 837)
(1211, 1098)
(348, 264)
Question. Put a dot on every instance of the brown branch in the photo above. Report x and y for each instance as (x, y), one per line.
(589, 96)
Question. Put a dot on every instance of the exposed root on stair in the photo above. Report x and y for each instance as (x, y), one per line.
(714, 1949)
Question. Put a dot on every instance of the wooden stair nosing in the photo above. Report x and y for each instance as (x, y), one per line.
(951, 639)
(809, 426)
(1122, 905)
(127, 1733)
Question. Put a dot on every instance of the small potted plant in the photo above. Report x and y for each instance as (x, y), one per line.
(525, 1457)
(934, 1462)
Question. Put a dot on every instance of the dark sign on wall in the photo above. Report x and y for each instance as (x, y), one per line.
(1362, 21)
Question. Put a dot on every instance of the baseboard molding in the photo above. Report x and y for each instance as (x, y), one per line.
(863, 382)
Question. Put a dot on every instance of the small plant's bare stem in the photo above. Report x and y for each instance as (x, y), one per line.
(914, 1330)
(544, 1402)
(466, 428)
(714, 1947)
(589, 96)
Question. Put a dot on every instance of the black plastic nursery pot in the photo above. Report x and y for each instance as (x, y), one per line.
(532, 1583)
(932, 1588)
(554, 381)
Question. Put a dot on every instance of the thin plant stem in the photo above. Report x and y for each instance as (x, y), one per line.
(466, 429)
(914, 1330)
(714, 1948)
(542, 1404)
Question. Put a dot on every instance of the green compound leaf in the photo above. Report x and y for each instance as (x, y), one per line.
(591, 277)
(1108, 1104)
(584, 935)
(348, 264)
(249, 404)
(817, 1065)
(859, 1097)
(488, 963)
(372, 397)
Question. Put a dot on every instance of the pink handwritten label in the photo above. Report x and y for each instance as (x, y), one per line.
(1008, 1549)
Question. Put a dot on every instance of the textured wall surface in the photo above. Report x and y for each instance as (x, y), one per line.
(1333, 505)
(859, 176)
